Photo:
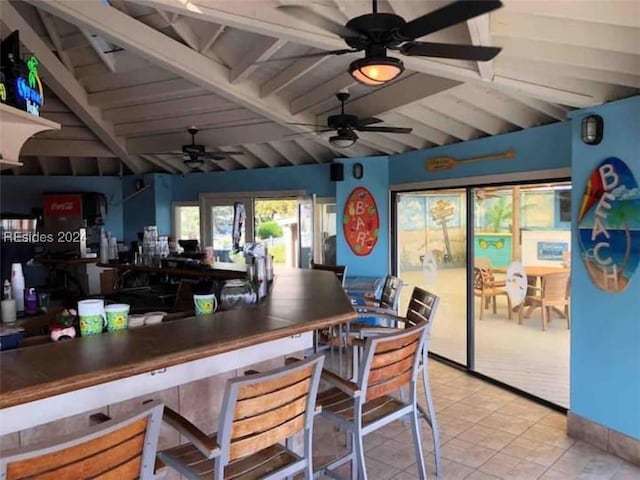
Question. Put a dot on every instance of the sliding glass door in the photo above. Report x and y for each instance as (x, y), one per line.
(431, 250)
(478, 325)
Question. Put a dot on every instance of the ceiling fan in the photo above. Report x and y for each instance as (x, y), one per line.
(377, 32)
(346, 126)
(194, 155)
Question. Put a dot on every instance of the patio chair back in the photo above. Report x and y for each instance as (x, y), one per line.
(118, 448)
(263, 410)
(339, 270)
(391, 361)
(391, 293)
(422, 308)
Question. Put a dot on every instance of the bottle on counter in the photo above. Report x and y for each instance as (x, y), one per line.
(17, 285)
(104, 247)
(6, 290)
(31, 301)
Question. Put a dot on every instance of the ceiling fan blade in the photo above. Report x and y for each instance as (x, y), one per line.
(446, 16)
(309, 15)
(307, 133)
(450, 50)
(306, 124)
(310, 55)
(368, 121)
(218, 155)
(385, 129)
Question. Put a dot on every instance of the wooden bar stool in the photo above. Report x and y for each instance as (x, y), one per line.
(390, 362)
(123, 449)
(422, 308)
(259, 411)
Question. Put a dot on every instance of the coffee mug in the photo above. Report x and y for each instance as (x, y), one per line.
(205, 304)
(117, 316)
(92, 316)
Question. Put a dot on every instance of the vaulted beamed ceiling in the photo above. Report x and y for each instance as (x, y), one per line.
(126, 78)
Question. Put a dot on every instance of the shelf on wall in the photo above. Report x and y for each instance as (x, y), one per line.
(17, 127)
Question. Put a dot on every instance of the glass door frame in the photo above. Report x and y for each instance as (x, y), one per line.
(212, 199)
(469, 184)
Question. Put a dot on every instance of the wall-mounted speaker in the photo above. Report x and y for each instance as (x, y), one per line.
(337, 172)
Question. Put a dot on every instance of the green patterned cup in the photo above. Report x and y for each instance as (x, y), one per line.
(92, 317)
(205, 304)
(117, 316)
(91, 324)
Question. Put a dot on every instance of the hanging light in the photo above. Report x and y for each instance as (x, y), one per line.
(344, 139)
(374, 71)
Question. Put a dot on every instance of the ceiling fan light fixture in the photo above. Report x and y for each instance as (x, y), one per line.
(344, 139)
(374, 71)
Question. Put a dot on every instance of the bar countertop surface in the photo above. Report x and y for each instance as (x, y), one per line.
(300, 301)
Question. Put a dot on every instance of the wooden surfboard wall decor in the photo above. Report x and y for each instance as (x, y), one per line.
(445, 163)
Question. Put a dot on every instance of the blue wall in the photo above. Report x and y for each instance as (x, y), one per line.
(311, 178)
(19, 194)
(605, 331)
(139, 210)
(376, 180)
(539, 148)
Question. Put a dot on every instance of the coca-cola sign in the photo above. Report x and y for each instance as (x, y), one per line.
(63, 205)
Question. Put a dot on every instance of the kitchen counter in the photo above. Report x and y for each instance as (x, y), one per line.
(300, 302)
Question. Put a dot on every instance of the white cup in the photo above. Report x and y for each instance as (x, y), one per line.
(88, 310)
(8, 311)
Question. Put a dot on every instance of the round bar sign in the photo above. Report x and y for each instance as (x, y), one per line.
(360, 221)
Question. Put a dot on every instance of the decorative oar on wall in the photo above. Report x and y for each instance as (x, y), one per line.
(445, 163)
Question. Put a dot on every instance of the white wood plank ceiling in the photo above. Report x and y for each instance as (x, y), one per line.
(126, 78)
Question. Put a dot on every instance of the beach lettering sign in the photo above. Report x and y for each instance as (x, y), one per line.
(609, 225)
(360, 221)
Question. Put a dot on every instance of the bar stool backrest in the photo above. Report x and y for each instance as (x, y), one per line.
(261, 410)
(422, 307)
(339, 270)
(391, 361)
(122, 448)
(391, 293)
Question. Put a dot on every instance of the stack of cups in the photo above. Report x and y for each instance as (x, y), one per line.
(17, 285)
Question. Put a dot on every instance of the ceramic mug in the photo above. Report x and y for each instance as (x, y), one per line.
(205, 304)
(92, 316)
(117, 316)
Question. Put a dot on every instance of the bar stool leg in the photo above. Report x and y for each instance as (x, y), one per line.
(430, 414)
(417, 444)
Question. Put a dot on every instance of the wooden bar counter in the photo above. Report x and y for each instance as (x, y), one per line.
(50, 382)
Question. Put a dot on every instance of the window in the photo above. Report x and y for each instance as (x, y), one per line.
(186, 221)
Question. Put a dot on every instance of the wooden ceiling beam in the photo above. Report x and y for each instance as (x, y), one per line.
(178, 123)
(289, 75)
(161, 50)
(67, 88)
(102, 49)
(271, 22)
(64, 148)
(446, 124)
(429, 134)
(140, 94)
(552, 111)
(169, 108)
(319, 153)
(481, 36)
(50, 27)
(265, 153)
(498, 105)
(216, 137)
(469, 114)
(247, 64)
(322, 92)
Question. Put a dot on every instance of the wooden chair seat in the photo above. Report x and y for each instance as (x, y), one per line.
(257, 465)
(336, 402)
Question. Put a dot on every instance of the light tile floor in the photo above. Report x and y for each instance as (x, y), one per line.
(486, 433)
